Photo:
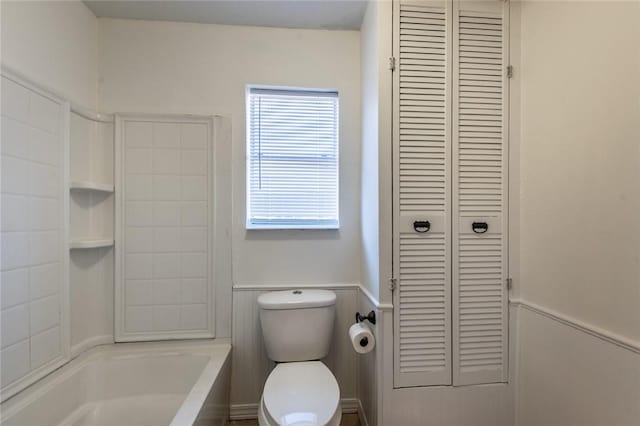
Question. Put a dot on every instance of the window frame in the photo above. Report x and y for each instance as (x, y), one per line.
(286, 224)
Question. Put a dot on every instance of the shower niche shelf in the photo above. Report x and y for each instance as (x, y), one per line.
(87, 244)
(91, 180)
(90, 186)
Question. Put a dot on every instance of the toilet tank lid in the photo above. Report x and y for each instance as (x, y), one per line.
(296, 299)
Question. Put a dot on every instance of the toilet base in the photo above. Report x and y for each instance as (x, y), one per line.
(263, 420)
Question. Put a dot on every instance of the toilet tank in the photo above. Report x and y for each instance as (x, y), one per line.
(297, 325)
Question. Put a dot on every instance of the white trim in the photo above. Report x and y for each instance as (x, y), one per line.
(256, 287)
(349, 405)
(379, 306)
(89, 343)
(330, 286)
(89, 244)
(250, 411)
(32, 377)
(65, 303)
(91, 186)
(607, 336)
(29, 83)
(92, 115)
(53, 94)
(243, 411)
(362, 416)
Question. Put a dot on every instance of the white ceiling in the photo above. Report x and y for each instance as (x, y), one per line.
(318, 14)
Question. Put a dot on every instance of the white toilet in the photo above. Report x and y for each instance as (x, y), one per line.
(297, 326)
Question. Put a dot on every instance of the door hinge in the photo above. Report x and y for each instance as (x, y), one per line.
(393, 282)
(509, 283)
(392, 63)
(510, 71)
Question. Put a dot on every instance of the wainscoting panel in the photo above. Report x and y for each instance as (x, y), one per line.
(368, 380)
(568, 376)
(251, 366)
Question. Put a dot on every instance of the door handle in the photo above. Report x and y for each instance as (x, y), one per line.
(422, 226)
(480, 227)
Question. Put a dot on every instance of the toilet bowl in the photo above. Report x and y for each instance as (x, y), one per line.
(297, 326)
(301, 394)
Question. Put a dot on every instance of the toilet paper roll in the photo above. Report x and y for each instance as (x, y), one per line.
(362, 338)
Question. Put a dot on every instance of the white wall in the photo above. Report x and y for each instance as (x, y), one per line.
(375, 49)
(376, 208)
(580, 170)
(54, 44)
(370, 185)
(191, 68)
(580, 201)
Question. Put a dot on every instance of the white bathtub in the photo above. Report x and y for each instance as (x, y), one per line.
(168, 383)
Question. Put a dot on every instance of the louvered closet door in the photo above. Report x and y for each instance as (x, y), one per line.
(421, 161)
(480, 192)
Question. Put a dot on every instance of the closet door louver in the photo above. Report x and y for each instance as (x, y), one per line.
(480, 193)
(421, 161)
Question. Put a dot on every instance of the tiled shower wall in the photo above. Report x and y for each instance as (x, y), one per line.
(167, 237)
(33, 222)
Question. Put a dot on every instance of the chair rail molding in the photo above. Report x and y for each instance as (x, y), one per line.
(606, 335)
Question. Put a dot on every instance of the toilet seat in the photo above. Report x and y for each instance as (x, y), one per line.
(300, 394)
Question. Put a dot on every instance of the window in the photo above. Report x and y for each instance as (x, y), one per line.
(292, 159)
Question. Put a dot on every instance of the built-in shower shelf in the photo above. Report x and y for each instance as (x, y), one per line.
(88, 244)
(91, 186)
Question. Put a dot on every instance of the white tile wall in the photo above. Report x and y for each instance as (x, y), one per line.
(168, 194)
(32, 234)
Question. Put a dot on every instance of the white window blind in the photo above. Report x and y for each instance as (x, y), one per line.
(292, 159)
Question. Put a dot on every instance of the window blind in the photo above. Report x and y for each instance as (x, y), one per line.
(292, 159)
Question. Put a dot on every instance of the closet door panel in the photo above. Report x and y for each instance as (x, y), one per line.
(422, 214)
(480, 310)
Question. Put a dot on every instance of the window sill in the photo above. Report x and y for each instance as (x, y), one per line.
(278, 227)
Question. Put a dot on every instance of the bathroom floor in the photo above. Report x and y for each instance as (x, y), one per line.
(347, 420)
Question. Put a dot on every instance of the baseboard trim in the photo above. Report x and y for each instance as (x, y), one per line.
(250, 411)
(243, 411)
(349, 405)
(362, 415)
(607, 336)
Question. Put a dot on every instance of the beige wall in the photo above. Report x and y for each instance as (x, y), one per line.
(53, 43)
(580, 161)
(190, 68)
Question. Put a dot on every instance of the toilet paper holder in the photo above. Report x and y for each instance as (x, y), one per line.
(371, 317)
